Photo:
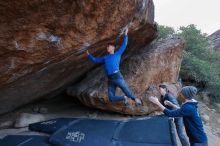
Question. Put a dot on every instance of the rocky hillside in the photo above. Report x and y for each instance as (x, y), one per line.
(215, 40)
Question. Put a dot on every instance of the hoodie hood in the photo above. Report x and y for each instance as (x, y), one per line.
(192, 102)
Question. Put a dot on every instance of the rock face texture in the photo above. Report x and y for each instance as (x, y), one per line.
(42, 42)
(143, 71)
(215, 40)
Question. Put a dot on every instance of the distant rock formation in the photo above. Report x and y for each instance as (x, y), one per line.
(215, 40)
(144, 69)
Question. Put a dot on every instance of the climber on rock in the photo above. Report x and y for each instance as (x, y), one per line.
(115, 79)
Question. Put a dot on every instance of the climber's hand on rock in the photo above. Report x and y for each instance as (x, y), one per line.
(126, 31)
(87, 52)
(154, 100)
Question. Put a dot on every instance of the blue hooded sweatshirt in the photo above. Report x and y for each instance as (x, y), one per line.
(111, 61)
(192, 121)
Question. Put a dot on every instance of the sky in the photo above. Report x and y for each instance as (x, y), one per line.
(205, 14)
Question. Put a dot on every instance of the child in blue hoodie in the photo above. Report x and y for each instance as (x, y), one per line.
(191, 118)
(115, 79)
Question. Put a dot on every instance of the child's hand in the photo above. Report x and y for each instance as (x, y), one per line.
(168, 103)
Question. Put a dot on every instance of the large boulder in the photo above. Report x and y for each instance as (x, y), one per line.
(42, 42)
(143, 70)
(215, 40)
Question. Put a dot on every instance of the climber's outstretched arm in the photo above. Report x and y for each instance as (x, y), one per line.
(124, 44)
(94, 59)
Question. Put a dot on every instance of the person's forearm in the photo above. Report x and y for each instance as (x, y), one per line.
(125, 40)
(160, 106)
(173, 113)
(96, 60)
(91, 57)
(123, 46)
(175, 106)
(172, 105)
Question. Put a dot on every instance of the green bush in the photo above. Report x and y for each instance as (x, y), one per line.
(200, 63)
(165, 31)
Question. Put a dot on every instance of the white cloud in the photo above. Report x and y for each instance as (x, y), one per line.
(205, 14)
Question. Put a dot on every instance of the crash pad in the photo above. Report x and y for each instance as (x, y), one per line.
(51, 126)
(25, 140)
(149, 131)
(86, 132)
(152, 131)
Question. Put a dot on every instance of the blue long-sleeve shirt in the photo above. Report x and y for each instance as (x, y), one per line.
(192, 121)
(111, 61)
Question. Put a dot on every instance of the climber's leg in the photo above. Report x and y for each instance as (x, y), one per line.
(120, 82)
(111, 92)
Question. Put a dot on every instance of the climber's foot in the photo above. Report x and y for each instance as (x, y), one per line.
(126, 101)
(138, 102)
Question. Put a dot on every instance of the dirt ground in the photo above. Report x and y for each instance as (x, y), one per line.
(67, 107)
(212, 127)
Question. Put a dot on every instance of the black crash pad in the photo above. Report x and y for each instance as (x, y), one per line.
(51, 126)
(25, 140)
(150, 131)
